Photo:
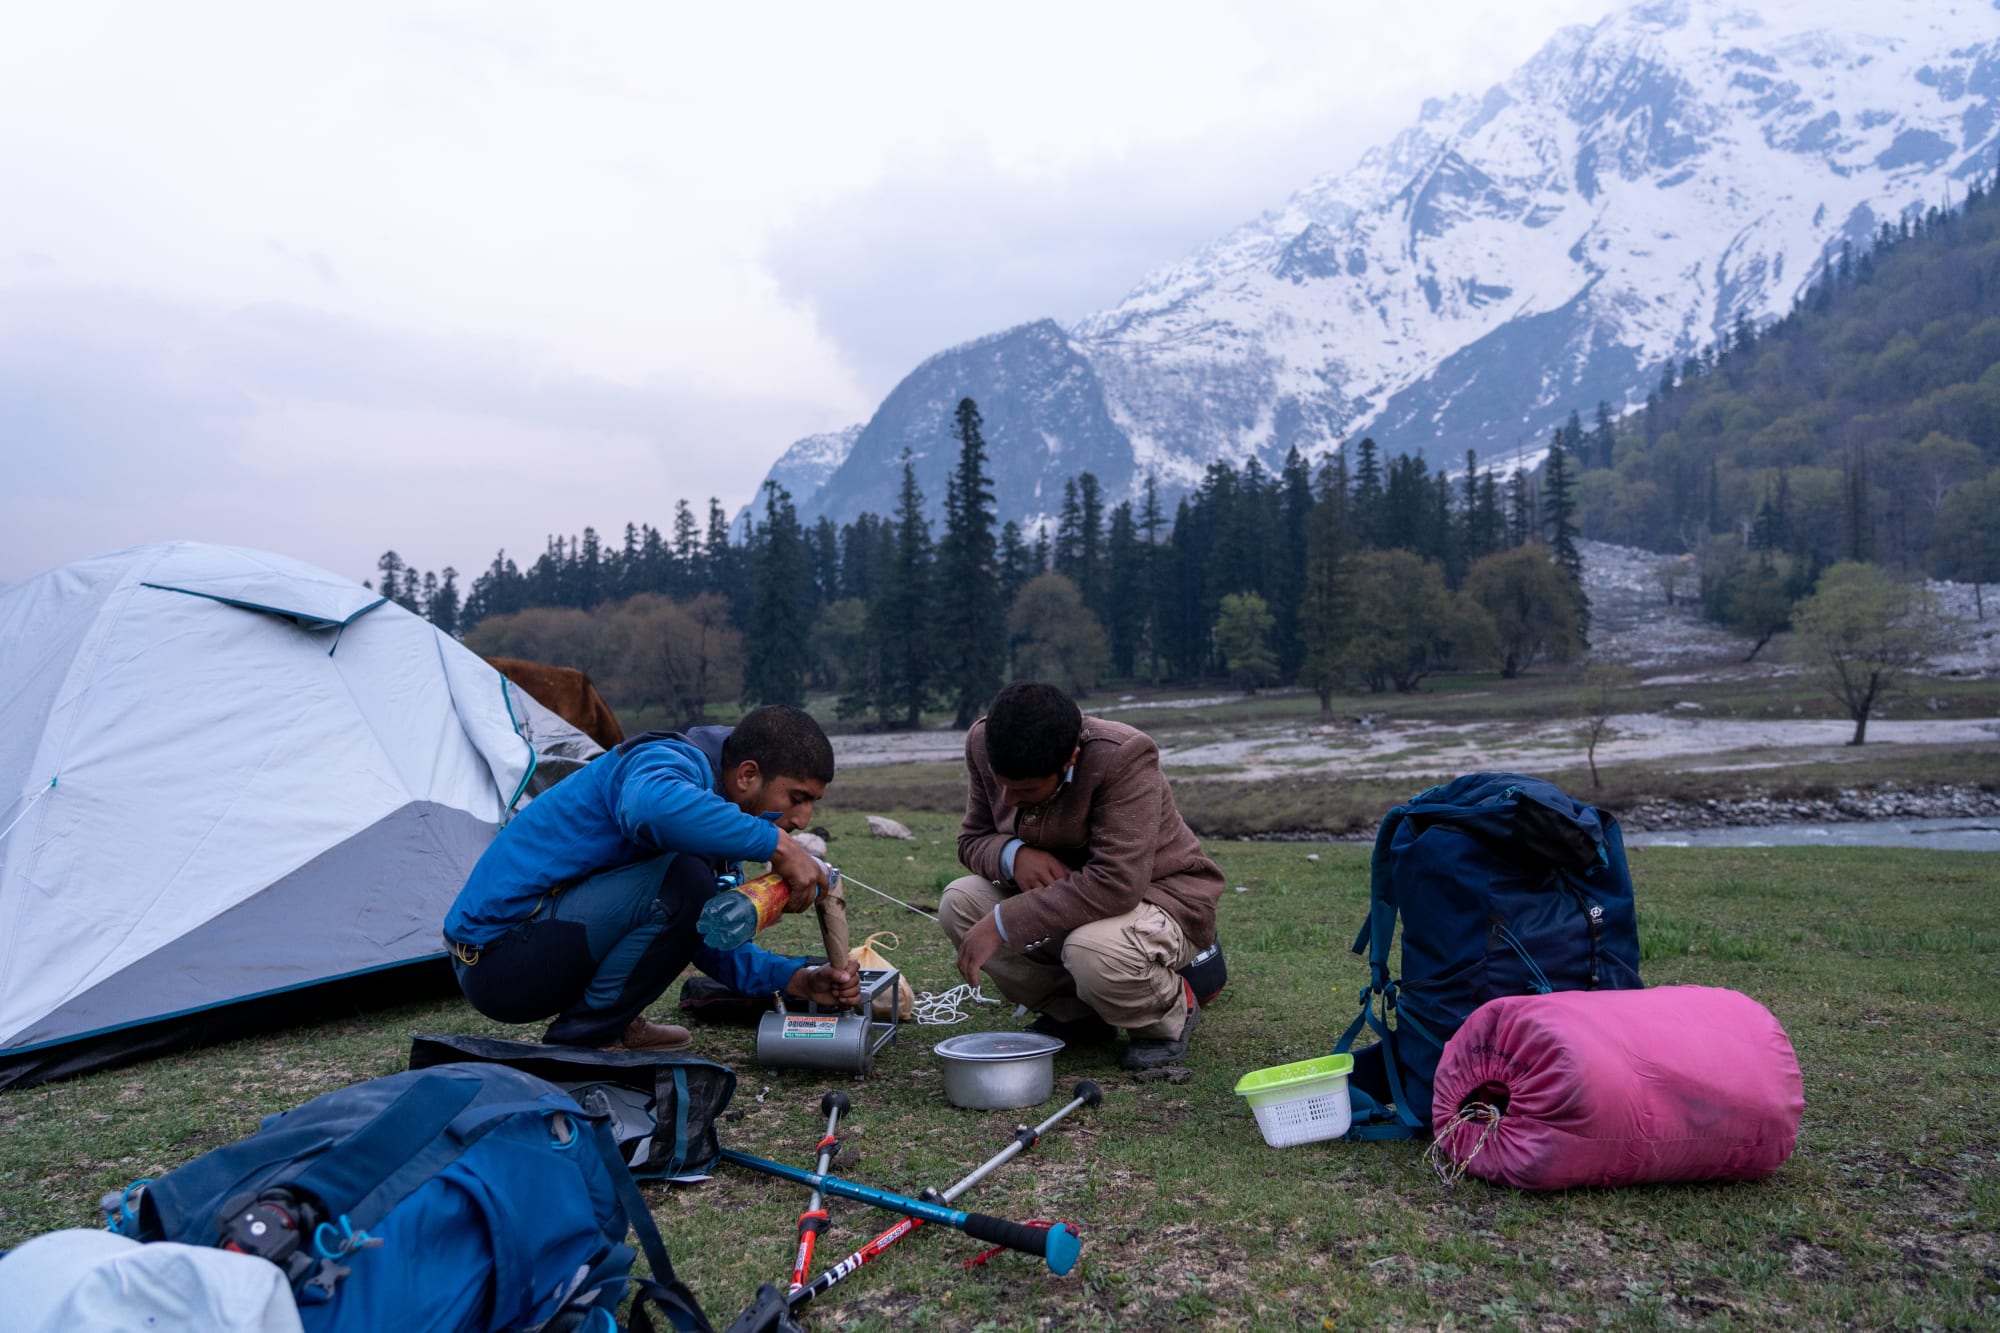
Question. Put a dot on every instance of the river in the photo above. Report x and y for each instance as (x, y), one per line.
(1978, 834)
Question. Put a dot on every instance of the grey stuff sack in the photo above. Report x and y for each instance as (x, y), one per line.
(661, 1105)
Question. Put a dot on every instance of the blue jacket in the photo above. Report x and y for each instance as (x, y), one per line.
(658, 793)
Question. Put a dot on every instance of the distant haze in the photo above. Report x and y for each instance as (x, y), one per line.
(448, 278)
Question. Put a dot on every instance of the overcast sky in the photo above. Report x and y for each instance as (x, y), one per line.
(449, 277)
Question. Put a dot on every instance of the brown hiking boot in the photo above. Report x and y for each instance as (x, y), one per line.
(643, 1034)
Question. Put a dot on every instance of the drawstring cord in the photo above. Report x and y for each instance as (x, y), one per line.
(1450, 1167)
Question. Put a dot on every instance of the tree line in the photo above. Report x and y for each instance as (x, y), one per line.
(1864, 426)
(1376, 575)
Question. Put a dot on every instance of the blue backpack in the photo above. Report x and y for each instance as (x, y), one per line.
(1505, 886)
(460, 1197)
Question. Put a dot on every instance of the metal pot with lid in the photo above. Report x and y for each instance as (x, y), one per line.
(995, 1071)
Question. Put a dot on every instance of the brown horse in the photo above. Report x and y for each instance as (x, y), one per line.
(568, 694)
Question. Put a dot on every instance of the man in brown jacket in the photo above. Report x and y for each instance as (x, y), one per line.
(1088, 891)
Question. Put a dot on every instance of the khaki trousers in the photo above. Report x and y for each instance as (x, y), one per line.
(1123, 968)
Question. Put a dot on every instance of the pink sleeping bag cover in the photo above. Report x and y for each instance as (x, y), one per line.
(1622, 1088)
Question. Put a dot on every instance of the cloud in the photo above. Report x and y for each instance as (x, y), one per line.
(954, 246)
(131, 418)
(952, 242)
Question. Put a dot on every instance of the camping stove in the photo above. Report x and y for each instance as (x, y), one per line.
(832, 1039)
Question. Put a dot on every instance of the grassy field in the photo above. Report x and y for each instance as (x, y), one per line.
(1884, 965)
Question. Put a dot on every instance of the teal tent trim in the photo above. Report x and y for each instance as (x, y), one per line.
(304, 619)
(534, 760)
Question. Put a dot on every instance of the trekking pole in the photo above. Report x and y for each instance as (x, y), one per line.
(813, 1219)
(1057, 1246)
(1087, 1094)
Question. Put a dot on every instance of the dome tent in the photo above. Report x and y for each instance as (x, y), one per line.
(226, 774)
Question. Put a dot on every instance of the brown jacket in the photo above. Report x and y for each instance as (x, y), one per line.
(1114, 824)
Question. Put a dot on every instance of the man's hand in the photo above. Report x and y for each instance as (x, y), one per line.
(802, 872)
(823, 985)
(1034, 868)
(980, 944)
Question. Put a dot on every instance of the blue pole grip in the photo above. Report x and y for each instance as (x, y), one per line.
(1058, 1246)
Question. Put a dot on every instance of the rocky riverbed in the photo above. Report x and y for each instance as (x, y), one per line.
(1889, 801)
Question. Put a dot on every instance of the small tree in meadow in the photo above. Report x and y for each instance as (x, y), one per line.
(1243, 634)
(1863, 635)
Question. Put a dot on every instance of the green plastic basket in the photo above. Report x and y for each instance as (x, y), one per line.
(1300, 1102)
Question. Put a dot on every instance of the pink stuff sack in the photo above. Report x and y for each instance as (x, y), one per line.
(1621, 1087)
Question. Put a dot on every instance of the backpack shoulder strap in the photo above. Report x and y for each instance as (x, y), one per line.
(665, 1292)
(1371, 1119)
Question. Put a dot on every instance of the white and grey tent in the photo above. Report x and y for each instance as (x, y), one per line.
(227, 775)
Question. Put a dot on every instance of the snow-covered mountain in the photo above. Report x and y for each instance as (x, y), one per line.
(1618, 201)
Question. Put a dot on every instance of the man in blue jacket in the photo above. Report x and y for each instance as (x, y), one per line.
(585, 905)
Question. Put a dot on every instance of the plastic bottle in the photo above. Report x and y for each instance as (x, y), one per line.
(739, 911)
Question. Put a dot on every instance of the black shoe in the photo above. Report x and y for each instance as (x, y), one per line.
(1153, 1052)
(1090, 1030)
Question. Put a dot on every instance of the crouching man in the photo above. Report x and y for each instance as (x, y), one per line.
(584, 907)
(1088, 891)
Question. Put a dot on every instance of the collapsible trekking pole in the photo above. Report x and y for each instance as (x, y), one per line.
(813, 1220)
(1057, 1246)
(1087, 1094)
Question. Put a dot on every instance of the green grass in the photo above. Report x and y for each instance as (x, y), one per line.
(1882, 964)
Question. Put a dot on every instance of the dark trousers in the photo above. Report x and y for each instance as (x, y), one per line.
(596, 954)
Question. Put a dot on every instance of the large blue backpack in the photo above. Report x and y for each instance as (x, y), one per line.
(1505, 885)
(460, 1197)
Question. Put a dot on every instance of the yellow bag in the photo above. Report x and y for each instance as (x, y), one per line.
(864, 954)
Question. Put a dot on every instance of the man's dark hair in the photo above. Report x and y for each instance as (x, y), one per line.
(1031, 729)
(785, 742)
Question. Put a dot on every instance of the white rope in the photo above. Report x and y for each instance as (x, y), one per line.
(935, 1009)
(29, 806)
(892, 898)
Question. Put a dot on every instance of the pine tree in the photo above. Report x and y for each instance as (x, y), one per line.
(1152, 534)
(863, 555)
(1183, 630)
(1604, 435)
(900, 615)
(1326, 607)
(825, 563)
(1015, 561)
(654, 561)
(687, 577)
(443, 606)
(1125, 590)
(1090, 544)
(1559, 506)
(1403, 518)
(1522, 522)
(775, 651)
(630, 572)
(1559, 509)
(723, 566)
(1858, 520)
(1069, 535)
(971, 621)
(590, 580)
(1489, 522)
(1365, 512)
(1447, 532)
(389, 567)
(1288, 561)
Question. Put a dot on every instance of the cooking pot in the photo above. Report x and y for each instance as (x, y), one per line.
(995, 1071)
